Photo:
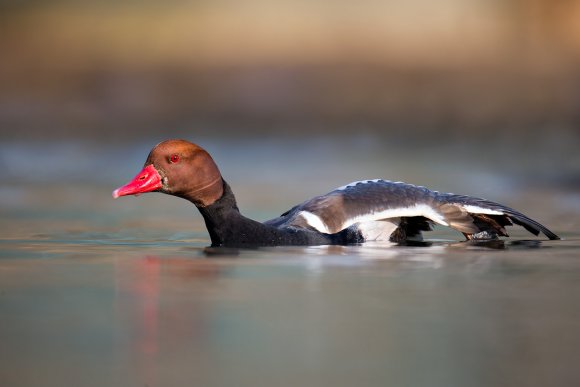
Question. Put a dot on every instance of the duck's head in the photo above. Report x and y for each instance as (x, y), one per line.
(179, 168)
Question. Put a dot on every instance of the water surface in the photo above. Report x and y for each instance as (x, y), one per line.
(96, 292)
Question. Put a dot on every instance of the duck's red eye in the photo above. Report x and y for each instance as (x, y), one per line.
(174, 158)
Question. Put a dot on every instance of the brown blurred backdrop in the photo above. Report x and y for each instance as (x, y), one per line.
(417, 69)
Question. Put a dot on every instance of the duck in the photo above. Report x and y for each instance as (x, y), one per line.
(362, 211)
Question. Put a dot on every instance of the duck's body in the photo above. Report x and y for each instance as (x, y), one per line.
(355, 213)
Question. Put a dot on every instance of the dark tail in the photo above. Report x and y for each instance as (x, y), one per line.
(453, 208)
(529, 224)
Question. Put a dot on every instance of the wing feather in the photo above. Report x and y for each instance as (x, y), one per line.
(378, 200)
(472, 215)
(364, 201)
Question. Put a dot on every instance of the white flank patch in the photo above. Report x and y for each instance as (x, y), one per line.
(416, 210)
(480, 210)
(314, 221)
(377, 231)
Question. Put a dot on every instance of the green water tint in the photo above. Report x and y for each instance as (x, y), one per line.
(151, 312)
(96, 292)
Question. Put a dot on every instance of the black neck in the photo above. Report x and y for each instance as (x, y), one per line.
(227, 227)
(220, 216)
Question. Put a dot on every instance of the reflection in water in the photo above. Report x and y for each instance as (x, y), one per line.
(491, 244)
(371, 248)
(156, 324)
(526, 244)
(137, 302)
(463, 313)
(221, 252)
(384, 250)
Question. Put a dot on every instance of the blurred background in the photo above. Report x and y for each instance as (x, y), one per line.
(418, 90)
(414, 69)
(292, 98)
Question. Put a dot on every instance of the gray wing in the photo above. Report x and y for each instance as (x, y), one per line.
(472, 215)
(381, 200)
(362, 201)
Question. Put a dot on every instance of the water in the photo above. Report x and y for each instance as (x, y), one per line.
(97, 292)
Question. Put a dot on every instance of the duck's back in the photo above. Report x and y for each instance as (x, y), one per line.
(386, 210)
